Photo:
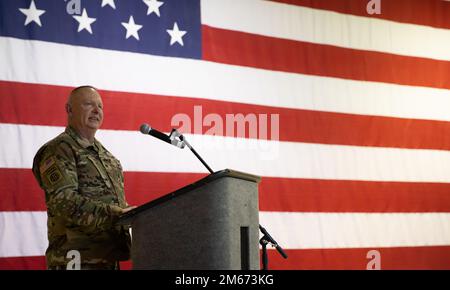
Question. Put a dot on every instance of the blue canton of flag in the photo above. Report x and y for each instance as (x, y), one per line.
(168, 28)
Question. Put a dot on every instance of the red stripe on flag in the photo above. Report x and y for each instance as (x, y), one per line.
(319, 195)
(20, 192)
(23, 263)
(422, 12)
(401, 258)
(226, 46)
(38, 263)
(295, 125)
(412, 258)
(142, 187)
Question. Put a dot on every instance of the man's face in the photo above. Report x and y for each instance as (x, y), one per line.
(86, 111)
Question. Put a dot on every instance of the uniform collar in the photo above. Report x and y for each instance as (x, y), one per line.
(97, 146)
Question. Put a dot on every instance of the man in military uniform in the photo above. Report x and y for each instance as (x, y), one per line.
(84, 190)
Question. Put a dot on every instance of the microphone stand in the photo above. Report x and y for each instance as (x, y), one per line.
(175, 134)
(267, 239)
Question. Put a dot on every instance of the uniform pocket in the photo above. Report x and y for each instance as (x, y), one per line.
(100, 171)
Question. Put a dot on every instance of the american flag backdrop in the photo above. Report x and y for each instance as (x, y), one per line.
(355, 164)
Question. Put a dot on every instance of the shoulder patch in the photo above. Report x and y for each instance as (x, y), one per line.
(53, 174)
(47, 164)
(50, 171)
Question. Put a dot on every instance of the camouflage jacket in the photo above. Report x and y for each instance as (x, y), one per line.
(83, 186)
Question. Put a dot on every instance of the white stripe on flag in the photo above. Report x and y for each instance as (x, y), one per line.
(327, 27)
(357, 230)
(23, 233)
(279, 159)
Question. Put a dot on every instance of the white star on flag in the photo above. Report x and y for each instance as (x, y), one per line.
(109, 2)
(84, 21)
(153, 6)
(132, 28)
(32, 14)
(176, 35)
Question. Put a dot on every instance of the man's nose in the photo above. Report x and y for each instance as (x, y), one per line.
(96, 110)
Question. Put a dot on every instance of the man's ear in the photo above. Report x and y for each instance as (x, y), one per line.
(69, 109)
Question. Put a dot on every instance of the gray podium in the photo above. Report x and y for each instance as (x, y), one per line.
(211, 224)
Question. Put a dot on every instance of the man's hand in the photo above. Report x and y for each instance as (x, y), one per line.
(127, 209)
(119, 211)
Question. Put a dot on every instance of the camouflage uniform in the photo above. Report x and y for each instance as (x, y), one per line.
(83, 186)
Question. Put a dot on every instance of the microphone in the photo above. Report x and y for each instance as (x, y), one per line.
(147, 130)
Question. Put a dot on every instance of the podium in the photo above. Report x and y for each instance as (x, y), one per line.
(211, 224)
